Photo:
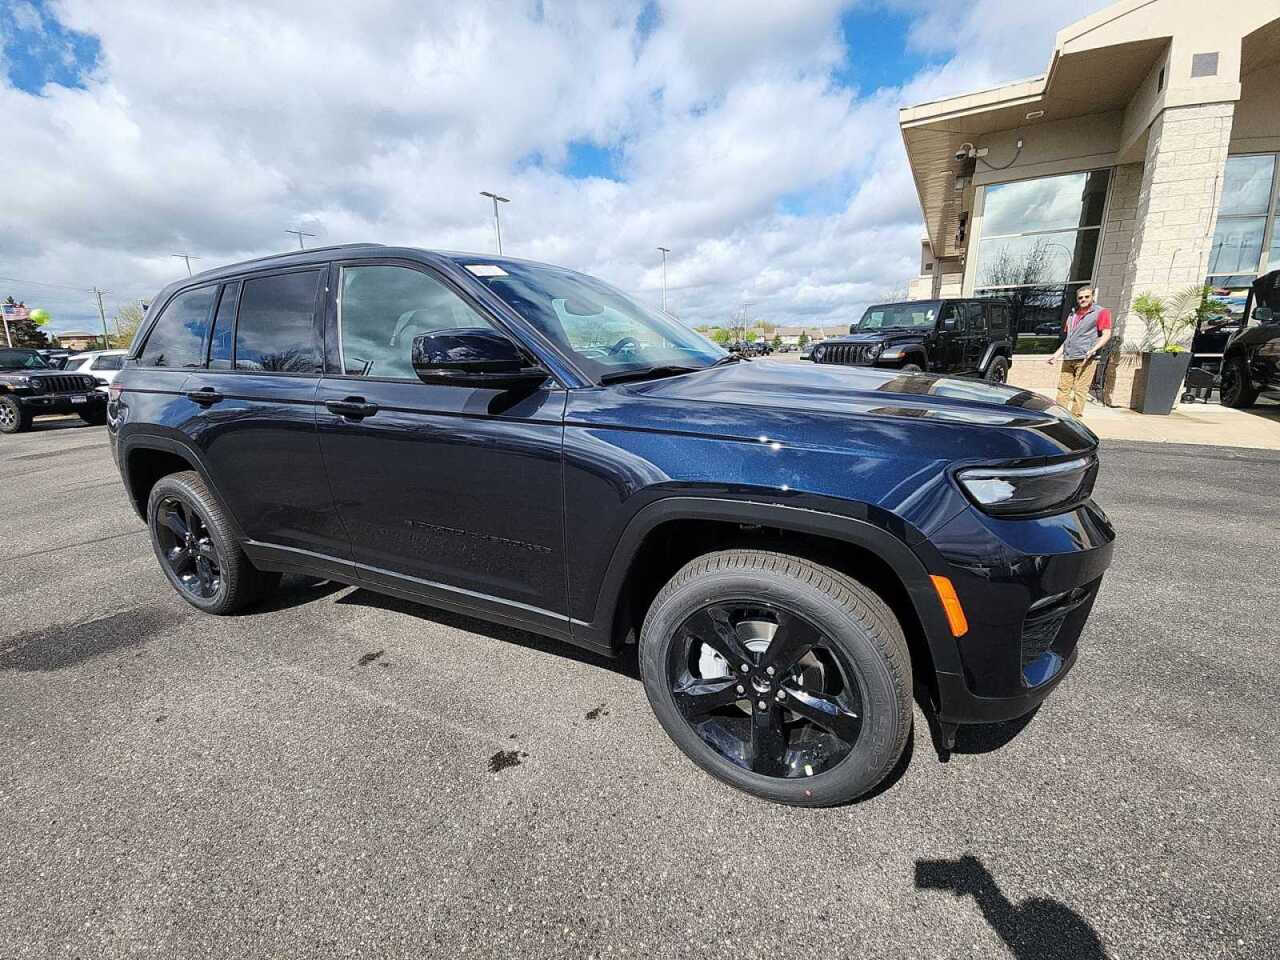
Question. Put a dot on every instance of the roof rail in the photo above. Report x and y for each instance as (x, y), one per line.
(294, 253)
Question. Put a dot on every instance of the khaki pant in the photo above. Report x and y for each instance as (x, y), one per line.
(1073, 385)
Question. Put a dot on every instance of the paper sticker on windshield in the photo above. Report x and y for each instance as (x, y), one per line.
(928, 315)
(486, 270)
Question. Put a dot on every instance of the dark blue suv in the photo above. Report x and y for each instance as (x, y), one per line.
(796, 549)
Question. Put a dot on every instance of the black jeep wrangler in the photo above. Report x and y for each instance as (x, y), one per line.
(29, 387)
(1251, 357)
(958, 337)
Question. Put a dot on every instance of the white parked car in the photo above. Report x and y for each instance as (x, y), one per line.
(102, 364)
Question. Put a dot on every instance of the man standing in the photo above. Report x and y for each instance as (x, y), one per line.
(1088, 331)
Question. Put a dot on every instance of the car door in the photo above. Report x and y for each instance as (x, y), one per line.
(948, 345)
(975, 336)
(451, 493)
(253, 416)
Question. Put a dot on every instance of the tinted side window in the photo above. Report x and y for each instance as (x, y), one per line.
(112, 362)
(276, 328)
(224, 328)
(177, 339)
(998, 317)
(977, 319)
(382, 308)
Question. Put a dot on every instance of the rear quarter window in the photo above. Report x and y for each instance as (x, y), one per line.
(177, 339)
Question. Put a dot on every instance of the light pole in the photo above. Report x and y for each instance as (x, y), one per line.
(665, 251)
(185, 258)
(300, 233)
(497, 224)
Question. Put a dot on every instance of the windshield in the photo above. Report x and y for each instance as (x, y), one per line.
(21, 360)
(920, 315)
(604, 330)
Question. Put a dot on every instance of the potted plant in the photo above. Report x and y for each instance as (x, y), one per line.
(1165, 358)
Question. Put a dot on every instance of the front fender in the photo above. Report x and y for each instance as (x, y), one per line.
(867, 527)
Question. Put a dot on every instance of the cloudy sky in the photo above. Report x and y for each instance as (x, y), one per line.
(757, 139)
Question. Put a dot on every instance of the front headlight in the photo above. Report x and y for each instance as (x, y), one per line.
(25, 383)
(1029, 490)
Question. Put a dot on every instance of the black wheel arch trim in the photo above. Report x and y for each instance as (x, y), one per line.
(855, 527)
(1000, 348)
(130, 445)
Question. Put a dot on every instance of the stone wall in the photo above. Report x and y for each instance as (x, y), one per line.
(1177, 204)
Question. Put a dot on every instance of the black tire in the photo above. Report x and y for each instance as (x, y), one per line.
(183, 500)
(13, 418)
(998, 370)
(912, 368)
(1236, 388)
(95, 418)
(850, 620)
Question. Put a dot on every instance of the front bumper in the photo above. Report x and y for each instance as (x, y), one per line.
(1027, 587)
(42, 404)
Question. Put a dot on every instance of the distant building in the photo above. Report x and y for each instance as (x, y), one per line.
(77, 339)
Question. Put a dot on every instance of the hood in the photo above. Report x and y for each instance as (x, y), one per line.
(880, 336)
(793, 388)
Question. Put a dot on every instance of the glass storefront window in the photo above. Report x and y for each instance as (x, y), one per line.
(1039, 244)
(1246, 185)
(1066, 202)
(1237, 245)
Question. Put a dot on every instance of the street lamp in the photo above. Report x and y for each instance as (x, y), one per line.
(497, 224)
(665, 251)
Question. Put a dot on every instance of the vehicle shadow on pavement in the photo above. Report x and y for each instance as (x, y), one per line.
(1036, 929)
(625, 664)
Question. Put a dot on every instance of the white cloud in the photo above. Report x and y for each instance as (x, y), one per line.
(211, 128)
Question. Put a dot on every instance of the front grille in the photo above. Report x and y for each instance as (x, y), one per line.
(849, 353)
(65, 383)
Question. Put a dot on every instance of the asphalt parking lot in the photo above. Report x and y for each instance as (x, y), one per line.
(339, 774)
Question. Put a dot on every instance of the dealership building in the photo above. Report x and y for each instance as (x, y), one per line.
(1144, 160)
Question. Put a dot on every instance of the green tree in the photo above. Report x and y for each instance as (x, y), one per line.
(777, 341)
(27, 332)
(719, 335)
(804, 339)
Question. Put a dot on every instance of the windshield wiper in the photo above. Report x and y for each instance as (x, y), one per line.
(646, 374)
(729, 358)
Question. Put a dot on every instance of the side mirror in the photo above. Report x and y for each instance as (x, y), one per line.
(1262, 314)
(472, 357)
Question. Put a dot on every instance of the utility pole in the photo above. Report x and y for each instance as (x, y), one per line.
(106, 337)
(497, 224)
(185, 258)
(299, 233)
(665, 251)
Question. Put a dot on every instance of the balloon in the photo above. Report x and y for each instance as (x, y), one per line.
(39, 316)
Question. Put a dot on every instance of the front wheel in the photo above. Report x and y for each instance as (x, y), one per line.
(13, 418)
(1236, 388)
(781, 677)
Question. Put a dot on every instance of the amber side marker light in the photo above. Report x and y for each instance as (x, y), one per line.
(951, 604)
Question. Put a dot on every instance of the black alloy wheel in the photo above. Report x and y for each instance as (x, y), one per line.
(765, 689)
(998, 371)
(1235, 388)
(784, 678)
(187, 548)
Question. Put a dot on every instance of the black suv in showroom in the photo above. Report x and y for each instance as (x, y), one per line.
(29, 388)
(969, 338)
(794, 548)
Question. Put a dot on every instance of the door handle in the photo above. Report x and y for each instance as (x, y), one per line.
(204, 396)
(354, 408)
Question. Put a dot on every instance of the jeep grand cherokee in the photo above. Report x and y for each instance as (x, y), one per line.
(793, 546)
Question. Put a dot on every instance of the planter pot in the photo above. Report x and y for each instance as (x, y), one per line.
(1164, 375)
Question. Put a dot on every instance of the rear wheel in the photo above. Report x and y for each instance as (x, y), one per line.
(998, 370)
(13, 419)
(779, 676)
(1236, 389)
(912, 368)
(197, 549)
